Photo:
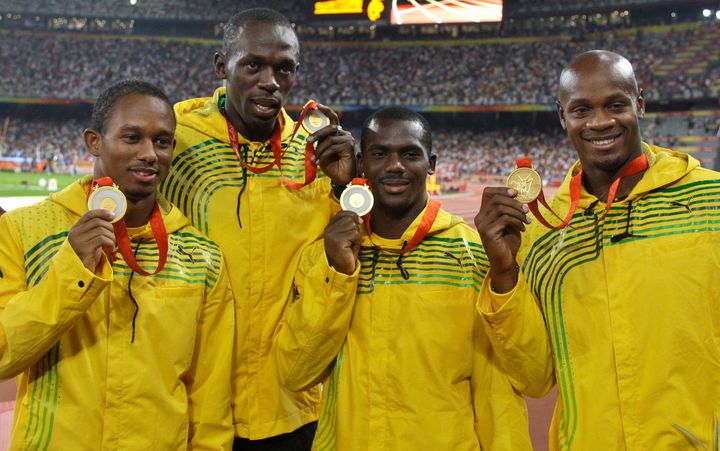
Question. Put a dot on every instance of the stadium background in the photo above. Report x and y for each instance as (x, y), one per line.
(488, 88)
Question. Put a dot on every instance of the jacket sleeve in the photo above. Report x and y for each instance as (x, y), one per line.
(518, 336)
(501, 420)
(32, 319)
(316, 324)
(209, 379)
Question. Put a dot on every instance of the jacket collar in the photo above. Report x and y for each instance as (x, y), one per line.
(203, 114)
(74, 198)
(443, 221)
(666, 167)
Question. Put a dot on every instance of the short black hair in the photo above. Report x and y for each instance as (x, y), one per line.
(255, 15)
(105, 103)
(398, 113)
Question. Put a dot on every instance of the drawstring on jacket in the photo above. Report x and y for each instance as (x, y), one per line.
(626, 233)
(132, 298)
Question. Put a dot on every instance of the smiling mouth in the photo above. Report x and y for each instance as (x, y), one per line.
(145, 174)
(603, 141)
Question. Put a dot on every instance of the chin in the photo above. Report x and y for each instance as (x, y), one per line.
(139, 194)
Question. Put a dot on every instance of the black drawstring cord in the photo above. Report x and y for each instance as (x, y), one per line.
(626, 233)
(132, 298)
(242, 188)
(399, 263)
(590, 209)
(375, 258)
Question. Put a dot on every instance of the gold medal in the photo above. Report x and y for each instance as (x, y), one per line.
(108, 198)
(527, 183)
(315, 120)
(357, 198)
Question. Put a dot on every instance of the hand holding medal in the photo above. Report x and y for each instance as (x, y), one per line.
(105, 196)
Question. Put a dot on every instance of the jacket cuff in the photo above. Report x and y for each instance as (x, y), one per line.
(335, 280)
(496, 306)
(83, 284)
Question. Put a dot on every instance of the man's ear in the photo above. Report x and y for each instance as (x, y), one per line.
(561, 114)
(93, 141)
(641, 104)
(432, 160)
(219, 65)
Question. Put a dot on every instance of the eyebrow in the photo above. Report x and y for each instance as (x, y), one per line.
(136, 128)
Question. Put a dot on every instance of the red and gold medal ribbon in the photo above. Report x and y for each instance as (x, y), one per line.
(123, 240)
(276, 146)
(424, 227)
(637, 165)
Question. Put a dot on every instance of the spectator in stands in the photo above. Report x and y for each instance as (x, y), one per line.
(629, 289)
(238, 149)
(107, 355)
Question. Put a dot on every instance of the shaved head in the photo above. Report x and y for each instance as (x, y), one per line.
(600, 105)
(611, 65)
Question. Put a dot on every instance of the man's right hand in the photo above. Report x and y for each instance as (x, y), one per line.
(500, 221)
(342, 241)
(91, 235)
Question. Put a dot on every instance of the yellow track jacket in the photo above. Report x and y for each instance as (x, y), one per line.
(66, 333)
(632, 306)
(261, 226)
(405, 361)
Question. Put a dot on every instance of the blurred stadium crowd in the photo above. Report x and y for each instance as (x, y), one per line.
(467, 73)
(676, 63)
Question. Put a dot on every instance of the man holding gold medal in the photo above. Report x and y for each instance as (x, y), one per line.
(623, 262)
(246, 175)
(385, 314)
(116, 315)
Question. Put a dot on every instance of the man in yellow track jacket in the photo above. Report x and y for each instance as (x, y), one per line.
(105, 357)
(235, 193)
(629, 289)
(396, 338)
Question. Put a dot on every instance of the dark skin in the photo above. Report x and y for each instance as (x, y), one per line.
(342, 241)
(134, 149)
(599, 106)
(259, 68)
(396, 162)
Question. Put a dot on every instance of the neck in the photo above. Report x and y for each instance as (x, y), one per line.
(598, 182)
(391, 224)
(139, 211)
(259, 133)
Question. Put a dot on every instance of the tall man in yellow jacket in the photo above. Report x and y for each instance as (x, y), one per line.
(236, 171)
(107, 358)
(385, 315)
(629, 288)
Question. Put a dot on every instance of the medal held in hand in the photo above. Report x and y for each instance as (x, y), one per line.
(357, 197)
(527, 182)
(314, 120)
(108, 198)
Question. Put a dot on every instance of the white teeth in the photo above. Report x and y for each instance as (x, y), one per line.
(603, 142)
